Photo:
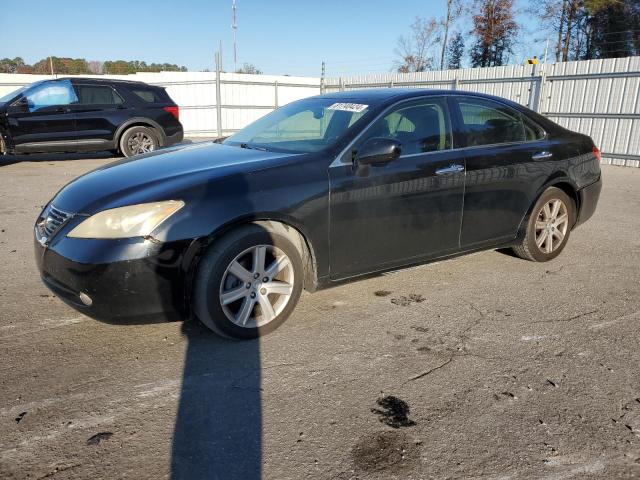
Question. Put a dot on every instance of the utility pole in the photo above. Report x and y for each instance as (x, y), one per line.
(322, 76)
(220, 54)
(51, 65)
(546, 51)
(234, 27)
(218, 96)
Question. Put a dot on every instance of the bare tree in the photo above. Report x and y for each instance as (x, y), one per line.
(415, 50)
(454, 9)
(95, 66)
(249, 68)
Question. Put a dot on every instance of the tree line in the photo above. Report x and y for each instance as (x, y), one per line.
(575, 29)
(80, 66)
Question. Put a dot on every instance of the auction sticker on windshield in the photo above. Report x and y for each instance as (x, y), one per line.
(348, 107)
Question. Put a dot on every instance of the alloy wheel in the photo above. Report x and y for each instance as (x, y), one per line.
(256, 286)
(552, 223)
(140, 143)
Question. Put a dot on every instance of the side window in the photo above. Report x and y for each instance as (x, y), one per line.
(531, 130)
(420, 126)
(489, 123)
(98, 95)
(147, 94)
(59, 92)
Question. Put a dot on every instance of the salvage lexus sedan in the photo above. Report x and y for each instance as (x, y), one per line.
(322, 191)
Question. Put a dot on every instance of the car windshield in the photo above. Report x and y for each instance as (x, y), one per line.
(12, 94)
(304, 126)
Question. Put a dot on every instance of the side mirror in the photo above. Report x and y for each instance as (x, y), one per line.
(378, 150)
(20, 105)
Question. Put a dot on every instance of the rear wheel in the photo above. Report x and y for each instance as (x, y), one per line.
(248, 283)
(138, 140)
(548, 228)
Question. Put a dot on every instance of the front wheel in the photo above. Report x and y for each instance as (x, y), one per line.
(138, 140)
(548, 228)
(248, 283)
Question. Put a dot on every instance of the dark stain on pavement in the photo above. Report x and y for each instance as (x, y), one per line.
(99, 437)
(393, 412)
(386, 450)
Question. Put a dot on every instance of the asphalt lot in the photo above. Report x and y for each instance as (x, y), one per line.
(486, 366)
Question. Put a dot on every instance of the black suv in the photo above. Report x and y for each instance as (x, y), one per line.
(83, 114)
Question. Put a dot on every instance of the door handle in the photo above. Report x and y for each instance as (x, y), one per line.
(542, 155)
(451, 169)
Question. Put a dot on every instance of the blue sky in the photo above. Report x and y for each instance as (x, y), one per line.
(279, 36)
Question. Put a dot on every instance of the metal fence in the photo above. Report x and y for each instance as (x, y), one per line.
(600, 98)
(210, 107)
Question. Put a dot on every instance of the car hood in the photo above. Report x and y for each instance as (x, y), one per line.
(158, 175)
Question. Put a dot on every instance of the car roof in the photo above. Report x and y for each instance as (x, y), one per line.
(103, 80)
(383, 95)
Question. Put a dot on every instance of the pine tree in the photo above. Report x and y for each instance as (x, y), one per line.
(455, 51)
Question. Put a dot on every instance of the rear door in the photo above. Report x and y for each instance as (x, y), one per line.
(507, 159)
(100, 110)
(42, 120)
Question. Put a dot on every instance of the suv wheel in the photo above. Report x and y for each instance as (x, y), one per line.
(548, 228)
(248, 283)
(138, 140)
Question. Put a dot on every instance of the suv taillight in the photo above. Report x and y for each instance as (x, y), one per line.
(175, 111)
(596, 152)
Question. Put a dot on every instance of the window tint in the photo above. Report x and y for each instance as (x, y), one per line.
(489, 122)
(147, 95)
(49, 94)
(97, 95)
(420, 126)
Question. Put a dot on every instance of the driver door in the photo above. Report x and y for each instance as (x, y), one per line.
(405, 211)
(42, 119)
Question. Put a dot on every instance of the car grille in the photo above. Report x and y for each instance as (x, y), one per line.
(49, 222)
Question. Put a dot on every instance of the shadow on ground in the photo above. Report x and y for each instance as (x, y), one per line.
(218, 430)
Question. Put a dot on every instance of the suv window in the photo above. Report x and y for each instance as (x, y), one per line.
(489, 122)
(147, 94)
(98, 95)
(420, 126)
(54, 93)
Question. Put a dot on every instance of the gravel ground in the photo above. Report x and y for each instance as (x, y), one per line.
(486, 366)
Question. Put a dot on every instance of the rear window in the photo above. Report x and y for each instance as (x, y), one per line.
(148, 95)
(98, 95)
(489, 123)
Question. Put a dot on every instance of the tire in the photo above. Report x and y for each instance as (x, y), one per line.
(216, 279)
(137, 141)
(548, 229)
(3, 148)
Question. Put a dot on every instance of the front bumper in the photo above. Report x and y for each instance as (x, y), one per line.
(588, 197)
(112, 280)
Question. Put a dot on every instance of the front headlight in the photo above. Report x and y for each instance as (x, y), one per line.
(126, 222)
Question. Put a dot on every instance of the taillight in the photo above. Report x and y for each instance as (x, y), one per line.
(597, 154)
(175, 111)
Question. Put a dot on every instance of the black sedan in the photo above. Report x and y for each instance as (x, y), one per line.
(322, 191)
